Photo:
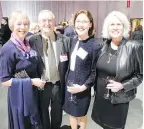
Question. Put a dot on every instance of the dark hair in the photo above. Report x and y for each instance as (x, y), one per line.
(5, 18)
(88, 14)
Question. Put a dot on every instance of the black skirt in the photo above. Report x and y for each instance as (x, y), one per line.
(108, 115)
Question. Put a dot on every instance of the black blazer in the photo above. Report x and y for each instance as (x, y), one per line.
(129, 70)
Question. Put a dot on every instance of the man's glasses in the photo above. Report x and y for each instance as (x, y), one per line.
(47, 20)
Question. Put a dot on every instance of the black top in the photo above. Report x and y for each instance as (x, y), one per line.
(107, 63)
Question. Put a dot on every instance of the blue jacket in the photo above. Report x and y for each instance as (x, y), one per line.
(85, 69)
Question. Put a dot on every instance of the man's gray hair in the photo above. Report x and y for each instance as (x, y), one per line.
(123, 19)
(45, 11)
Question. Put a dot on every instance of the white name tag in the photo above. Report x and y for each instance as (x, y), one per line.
(82, 53)
(63, 57)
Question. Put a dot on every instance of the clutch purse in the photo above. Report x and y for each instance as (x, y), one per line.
(21, 74)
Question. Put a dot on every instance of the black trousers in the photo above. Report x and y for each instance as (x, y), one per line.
(50, 96)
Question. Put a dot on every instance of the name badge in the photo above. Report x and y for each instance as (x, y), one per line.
(63, 57)
(82, 53)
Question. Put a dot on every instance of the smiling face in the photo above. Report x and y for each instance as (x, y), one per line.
(21, 27)
(115, 28)
(82, 25)
(46, 22)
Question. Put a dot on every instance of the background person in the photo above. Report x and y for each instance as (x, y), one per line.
(5, 30)
(138, 34)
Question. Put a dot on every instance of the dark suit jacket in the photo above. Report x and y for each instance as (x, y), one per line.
(64, 46)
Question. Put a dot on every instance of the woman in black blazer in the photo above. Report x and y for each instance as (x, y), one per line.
(119, 72)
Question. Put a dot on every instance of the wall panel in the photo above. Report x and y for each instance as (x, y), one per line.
(64, 9)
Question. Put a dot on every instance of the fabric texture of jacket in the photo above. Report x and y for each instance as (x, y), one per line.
(129, 70)
(85, 71)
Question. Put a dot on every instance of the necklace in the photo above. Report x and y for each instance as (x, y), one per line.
(113, 46)
(111, 56)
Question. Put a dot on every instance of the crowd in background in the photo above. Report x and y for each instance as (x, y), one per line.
(64, 27)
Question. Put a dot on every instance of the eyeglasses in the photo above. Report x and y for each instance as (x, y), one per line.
(83, 22)
(46, 20)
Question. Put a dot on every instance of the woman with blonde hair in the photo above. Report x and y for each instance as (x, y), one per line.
(119, 73)
(19, 70)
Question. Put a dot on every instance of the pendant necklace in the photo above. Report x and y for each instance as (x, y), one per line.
(110, 56)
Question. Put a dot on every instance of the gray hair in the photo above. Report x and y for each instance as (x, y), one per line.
(45, 11)
(120, 16)
(13, 17)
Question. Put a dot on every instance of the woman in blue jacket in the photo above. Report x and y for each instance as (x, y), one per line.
(20, 72)
(81, 73)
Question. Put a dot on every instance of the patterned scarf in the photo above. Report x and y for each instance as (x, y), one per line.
(23, 46)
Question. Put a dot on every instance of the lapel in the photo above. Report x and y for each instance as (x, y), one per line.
(38, 44)
(59, 40)
(59, 44)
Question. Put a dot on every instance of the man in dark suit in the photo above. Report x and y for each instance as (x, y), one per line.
(52, 50)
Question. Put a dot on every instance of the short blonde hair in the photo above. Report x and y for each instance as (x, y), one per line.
(121, 17)
(14, 16)
(45, 11)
